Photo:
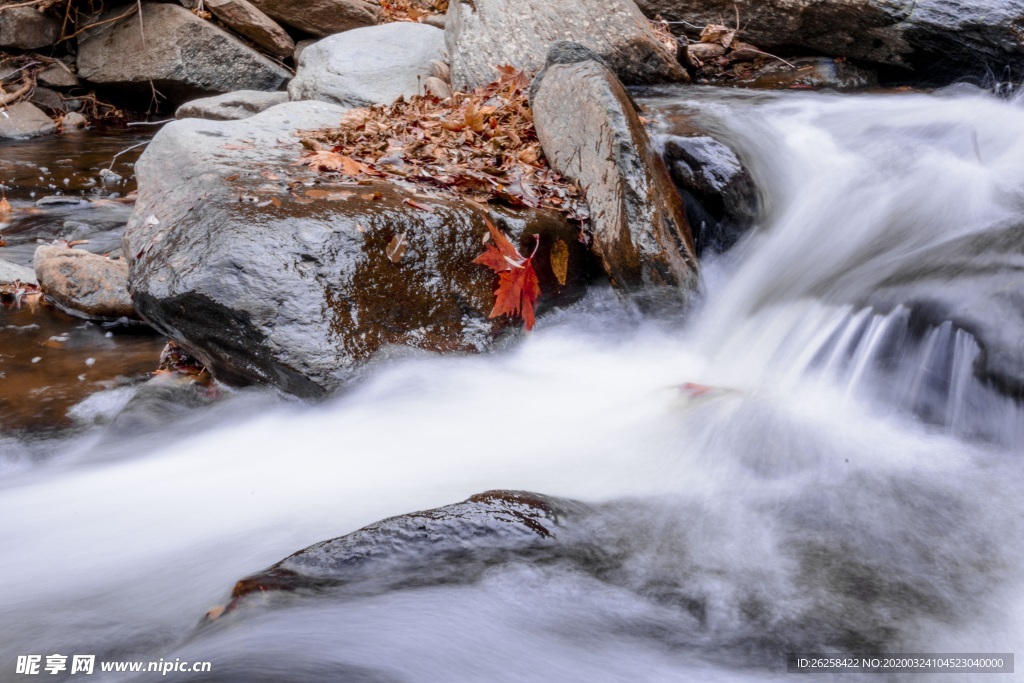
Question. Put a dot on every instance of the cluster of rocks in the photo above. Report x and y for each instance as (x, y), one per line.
(230, 256)
(921, 40)
(267, 283)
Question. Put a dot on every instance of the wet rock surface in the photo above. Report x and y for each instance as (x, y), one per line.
(231, 106)
(297, 288)
(936, 38)
(977, 283)
(322, 17)
(421, 548)
(718, 191)
(373, 65)
(84, 284)
(484, 33)
(182, 56)
(591, 132)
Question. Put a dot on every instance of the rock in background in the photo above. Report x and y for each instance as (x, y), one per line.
(322, 17)
(179, 54)
(944, 39)
(25, 28)
(84, 284)
(718, 191)
(482, 34)
(373, 65)
(243, 17)
(591, 133)
(25, 120)
(231, 106)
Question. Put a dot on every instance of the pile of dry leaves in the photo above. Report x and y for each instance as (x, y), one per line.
(481, 146)
(722, 56)
(410, 10)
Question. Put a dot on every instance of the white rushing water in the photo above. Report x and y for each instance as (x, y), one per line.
(801, 506)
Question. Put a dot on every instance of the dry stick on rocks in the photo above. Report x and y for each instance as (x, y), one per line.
(26, 86)
(85, 28)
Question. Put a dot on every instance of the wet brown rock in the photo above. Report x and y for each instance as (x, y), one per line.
(484, 33)
(243, 17)
(322, 17)
(84, 284)
(591, 133)
(267, 278)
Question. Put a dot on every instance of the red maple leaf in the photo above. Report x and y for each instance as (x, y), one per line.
(518, 286)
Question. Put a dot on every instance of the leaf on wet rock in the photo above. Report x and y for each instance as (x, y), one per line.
(396, 248)
(416, 205)
(560, 260)
(332, 161)
(5, 207)
(518, 286)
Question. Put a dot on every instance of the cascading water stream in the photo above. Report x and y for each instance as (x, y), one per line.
(848, 485)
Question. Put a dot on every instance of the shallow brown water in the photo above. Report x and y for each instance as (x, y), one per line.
(51, 361)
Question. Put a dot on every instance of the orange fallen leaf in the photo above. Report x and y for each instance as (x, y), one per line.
(518, 286)
(396, 248)
(560, 261)
(416, 205)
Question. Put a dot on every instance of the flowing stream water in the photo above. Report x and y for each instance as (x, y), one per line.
(808, 503)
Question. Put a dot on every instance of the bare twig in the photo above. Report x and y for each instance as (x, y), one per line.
(85, 28)
(126, 149)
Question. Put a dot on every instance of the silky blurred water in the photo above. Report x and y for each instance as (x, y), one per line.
(807, 503)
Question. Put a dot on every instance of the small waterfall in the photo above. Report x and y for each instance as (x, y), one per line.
(842, 483)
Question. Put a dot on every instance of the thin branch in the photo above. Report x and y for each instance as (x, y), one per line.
(82, 30)
(126, 149)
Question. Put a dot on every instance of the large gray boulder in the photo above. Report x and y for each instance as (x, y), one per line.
(590, 132)
(26, 28)
(264, 277)
(482, 34)
(181, 55)
(25, 120)
(373, 65)
(231, 106)
(948, 38)
(977, 283)
(322, 17)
